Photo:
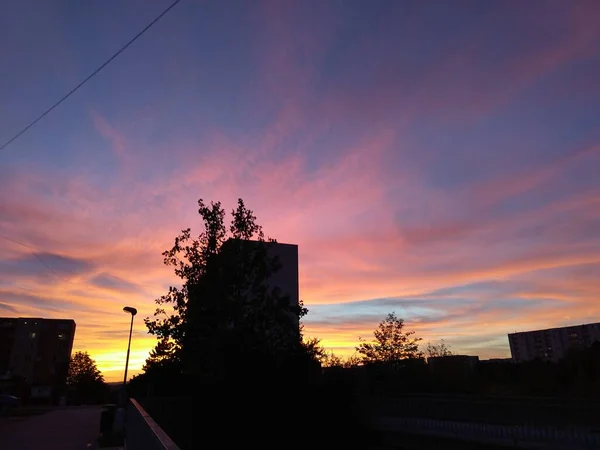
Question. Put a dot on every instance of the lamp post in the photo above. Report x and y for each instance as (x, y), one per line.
(133, 312)
(118, 424)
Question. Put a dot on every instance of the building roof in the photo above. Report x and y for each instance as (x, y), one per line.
(556, 328)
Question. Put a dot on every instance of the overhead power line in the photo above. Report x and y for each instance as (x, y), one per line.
(34, 254)
(90, 76)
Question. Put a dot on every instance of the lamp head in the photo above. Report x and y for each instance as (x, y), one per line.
(130, 310)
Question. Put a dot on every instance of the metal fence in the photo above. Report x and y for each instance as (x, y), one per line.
(509, 435)
(142, 432)
(537, 412)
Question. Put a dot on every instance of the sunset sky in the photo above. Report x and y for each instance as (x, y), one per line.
(437, 159)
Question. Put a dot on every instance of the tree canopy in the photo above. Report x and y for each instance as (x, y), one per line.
(391, 342)
(163, 354)
(437, 349)
(224, 311)
(85, 381)
(83, 370)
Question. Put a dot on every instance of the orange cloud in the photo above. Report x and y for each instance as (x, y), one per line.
(337, 163)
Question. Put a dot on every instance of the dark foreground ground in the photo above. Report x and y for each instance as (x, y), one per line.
(74, 428)
(265, 422)
(410, 442)
(557, 412)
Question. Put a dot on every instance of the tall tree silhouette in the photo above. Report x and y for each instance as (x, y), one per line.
(224, 311)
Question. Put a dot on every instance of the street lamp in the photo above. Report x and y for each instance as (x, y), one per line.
(119, 418)
(133, 312)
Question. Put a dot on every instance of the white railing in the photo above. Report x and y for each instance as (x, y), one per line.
(142, 432)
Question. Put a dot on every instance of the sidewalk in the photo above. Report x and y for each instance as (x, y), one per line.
(74, 428)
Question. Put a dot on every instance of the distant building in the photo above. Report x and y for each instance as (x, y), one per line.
(551, 344)
(37, 350)
(235, 267)
(443, 362)
(497, 361)
(286, 279)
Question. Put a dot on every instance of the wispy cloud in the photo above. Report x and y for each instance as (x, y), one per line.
(439, 162)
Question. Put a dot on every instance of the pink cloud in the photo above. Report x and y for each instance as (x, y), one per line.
(354, 242)
(365, 260)
(110, 134)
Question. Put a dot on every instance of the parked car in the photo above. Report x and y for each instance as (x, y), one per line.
(8, 403)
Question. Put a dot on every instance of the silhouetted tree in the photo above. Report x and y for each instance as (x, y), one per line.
(164, 353)
(237, 343)
(327, 358)
(433, 350)
(352, 361)
(330, 359)
(313, 348)
(83, 370)
(391, 342)
(85, 380)
(163, 373)
(224, 314)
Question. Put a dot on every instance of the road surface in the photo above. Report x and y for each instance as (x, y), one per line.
(74, 428)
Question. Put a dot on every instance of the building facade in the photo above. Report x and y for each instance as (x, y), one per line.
(286, 279)
(235, 265)
(551, 344)
(36, 350)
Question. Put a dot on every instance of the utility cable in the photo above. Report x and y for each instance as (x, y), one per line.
(90, 76)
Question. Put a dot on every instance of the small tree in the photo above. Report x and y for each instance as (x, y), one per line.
(330, 359)
(83, 370)
(391, 342)
(433, 350)
(313, 348)
(352, 361)
(85, 380)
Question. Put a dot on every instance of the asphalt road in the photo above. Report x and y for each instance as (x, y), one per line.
(74, 428)
(411, 442)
